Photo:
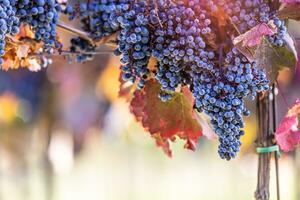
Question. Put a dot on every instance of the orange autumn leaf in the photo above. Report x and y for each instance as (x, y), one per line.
(166, 120)
(18, 50)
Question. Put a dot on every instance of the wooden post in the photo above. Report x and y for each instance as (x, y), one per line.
(266, 115)
(263, 140)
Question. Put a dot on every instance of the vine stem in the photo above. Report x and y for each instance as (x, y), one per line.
(106, 40)
(263, 140)
(74, 30)
(71, 53)
(274, 109)
(267, 114)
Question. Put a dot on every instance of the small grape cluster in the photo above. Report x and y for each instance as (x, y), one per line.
(80, 47)
(9, 24)
(278, 38)
(102, 18)
(42, 15)
(248, 13)
(99, 18)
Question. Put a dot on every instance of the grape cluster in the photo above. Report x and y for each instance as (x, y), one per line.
(98, 18)
(101, 18)
(245, 14)
(221, 96)
(9, 24)
(42, 15)
(178, 44)
(134, 43)
(249, 13)
(184, 40)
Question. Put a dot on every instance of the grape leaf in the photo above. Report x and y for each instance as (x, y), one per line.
(18, 48)
(290, 9)
(287, 134)
(166, 120)
(254, 36)
(256, 47)
(273, 59)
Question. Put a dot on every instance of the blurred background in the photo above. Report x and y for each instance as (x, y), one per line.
(65, 134)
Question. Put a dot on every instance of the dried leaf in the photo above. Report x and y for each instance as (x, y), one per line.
(22, 51)
(165, 120)
(18, 50)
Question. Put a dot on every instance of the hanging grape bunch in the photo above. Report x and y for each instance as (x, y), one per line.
(207, 54)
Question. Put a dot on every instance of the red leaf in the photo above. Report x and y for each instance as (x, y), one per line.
(287, 134)
(166, 120)
(254, 36)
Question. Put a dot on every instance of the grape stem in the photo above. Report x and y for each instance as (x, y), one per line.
(74, 30)
(71, 53)
(107, 40)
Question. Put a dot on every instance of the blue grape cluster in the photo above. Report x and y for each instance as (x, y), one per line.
(103, 17)
(134, 43)
(248, 13)
(42, 15)
(9, 24)
(221, 95)
(185, 39)
(179, 45)
(98, 17)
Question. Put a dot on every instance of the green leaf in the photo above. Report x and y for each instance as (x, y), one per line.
(166, 120)
(273, 59)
